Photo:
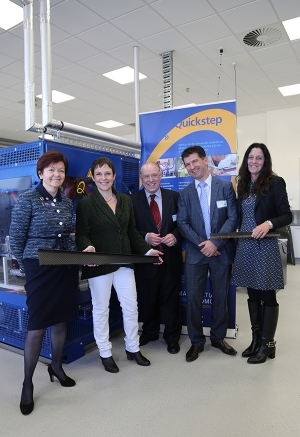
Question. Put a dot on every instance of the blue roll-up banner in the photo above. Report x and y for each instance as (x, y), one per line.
(164, 136)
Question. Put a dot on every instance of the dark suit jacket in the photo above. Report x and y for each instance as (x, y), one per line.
(98, 226)
(223, 218)
(274, 206)
(145, 223)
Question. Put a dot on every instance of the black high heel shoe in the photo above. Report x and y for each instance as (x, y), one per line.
(27, 408)
(138, 358)
(69, 382)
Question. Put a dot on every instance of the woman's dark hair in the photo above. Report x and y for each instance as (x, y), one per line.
(48, 158)
(264, 179)
(100, 162)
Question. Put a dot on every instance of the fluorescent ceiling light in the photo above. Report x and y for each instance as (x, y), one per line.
(58, 97)
(123, 75)
(10, 14)
(109, 124)
(292, 28)
(290, 90)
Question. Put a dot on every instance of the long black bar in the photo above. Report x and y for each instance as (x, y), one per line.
(243, 235)
(68, 257)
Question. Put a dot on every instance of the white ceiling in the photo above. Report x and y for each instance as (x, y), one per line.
(91, 37)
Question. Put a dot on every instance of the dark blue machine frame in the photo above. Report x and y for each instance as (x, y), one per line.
(20, 161)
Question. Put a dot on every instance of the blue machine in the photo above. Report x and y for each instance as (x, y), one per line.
(18, 174)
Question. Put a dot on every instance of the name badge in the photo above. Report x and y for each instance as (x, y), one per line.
(174, 217)
(221, 203)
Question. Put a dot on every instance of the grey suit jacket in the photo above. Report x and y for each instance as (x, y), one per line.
(223, 218)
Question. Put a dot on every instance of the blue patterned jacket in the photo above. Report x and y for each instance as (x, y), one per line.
(40, 221)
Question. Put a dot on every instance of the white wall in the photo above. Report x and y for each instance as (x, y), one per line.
(280, 131)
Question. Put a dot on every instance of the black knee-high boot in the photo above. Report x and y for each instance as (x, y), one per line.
(255, 312)
(267, 348)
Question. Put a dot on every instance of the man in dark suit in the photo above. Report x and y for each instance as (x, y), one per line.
(158, 286)
(207, 205)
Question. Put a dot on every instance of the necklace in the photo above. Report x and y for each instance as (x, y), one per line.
(108, 199)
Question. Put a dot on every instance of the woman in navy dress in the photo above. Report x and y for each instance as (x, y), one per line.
(262, 206)
(42, 219)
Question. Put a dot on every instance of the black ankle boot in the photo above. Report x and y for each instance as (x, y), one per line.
(267, 348)
(110, 365)
(138, 358)
(255, 312)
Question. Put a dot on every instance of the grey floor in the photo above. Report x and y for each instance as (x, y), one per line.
(217, 395)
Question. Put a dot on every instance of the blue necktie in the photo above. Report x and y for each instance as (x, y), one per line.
(204, 207)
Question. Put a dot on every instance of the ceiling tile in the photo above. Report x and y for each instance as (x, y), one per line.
(223, 5)
(230, 45)
(203, 70)
(189, 57)
(249, 16)
(287, 79)
(75, 72)
(257, 85)
(141, 23)
(101, 63)
(178, 13)
(11, 95)
(287, 9)
(79, 17)
(99, 83)
(105, 37)
(165, 42)
(296, 46)
(125, 53)
(268, 96)
(152, 67)
(289, 66)
(109, 10)
(6, 60)
(205, 30)
(74, 49)
(57, 61)
(8, 79)
(250, 75)
(12, 46)
(269, 55)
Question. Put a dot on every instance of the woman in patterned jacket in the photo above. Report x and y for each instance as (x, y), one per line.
(42, 219)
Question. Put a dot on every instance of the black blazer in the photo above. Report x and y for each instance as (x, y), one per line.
(98, 226)
(145, 223)
(274, 206)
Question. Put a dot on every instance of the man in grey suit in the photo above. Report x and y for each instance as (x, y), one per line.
(207, 205)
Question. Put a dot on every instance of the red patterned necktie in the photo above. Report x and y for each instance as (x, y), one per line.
(155, 212)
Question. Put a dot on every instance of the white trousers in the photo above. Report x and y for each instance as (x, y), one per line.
(124, 282)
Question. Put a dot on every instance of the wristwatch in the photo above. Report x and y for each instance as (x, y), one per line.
(270, 224)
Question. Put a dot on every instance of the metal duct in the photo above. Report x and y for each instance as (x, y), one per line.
(45, 30)
(137, 93)
(81, 131)
(29, 86)
(48, 122)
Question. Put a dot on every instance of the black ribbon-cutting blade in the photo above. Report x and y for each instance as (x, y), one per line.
(243, 235)
(67, 257)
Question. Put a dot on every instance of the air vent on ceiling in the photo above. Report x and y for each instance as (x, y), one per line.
(262, 37)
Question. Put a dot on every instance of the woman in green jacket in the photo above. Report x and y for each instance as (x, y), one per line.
(105, 223)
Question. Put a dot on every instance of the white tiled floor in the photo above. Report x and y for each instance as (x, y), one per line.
(217, 395)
